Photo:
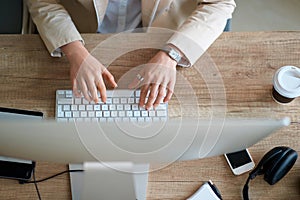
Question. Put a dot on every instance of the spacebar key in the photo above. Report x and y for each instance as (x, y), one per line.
(65, 101)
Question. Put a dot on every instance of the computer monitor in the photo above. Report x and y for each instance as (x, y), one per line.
(125, 142)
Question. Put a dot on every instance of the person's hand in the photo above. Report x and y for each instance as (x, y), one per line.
(158, 77)
(87, 73)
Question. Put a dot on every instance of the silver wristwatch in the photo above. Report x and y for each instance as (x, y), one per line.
(175, 55)
(172, 53)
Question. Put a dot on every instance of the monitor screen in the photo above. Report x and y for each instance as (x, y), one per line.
(174, 139)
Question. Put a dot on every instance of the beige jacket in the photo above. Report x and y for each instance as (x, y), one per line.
(199, 22)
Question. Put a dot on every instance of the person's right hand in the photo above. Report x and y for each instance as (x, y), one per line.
(87, 73)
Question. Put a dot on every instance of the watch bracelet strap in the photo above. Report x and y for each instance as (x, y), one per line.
(183, 62)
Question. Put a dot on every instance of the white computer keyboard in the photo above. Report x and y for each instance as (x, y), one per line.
(121, 105)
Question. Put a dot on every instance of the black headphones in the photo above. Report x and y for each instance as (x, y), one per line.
(274, 165)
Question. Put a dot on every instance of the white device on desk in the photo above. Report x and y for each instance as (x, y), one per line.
(177, 139)
(208, 191)
(120, 105)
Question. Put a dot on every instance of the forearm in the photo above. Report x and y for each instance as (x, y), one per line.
(75, 51)
(202, 28)
(53, 23)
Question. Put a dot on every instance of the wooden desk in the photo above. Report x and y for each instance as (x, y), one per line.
(246, 63)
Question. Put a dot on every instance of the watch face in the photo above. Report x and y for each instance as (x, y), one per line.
(173, 54)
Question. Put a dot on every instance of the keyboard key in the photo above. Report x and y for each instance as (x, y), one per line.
(129, 113)
(106, 114)
(127, 107)
(96, 107)
(89, 107)
(69, 92)
(60, 114)
(76, 114)
(59, 108)
(65, 101)
(136, 113)
(161, 107)
(142, 108)
(116, 100)
(109, 101)
(144, 113)
(83, 114)
(112, 107)
(74, 107)
(100, 101)
(121, 114)
(131, 100)
(104, 107)
(98, 113)
(69, 95)
(135, 107)
(123, 100)
(114, 113)
(161, 113)
(84, 101)
(151, 113)
(120, 107)
(137, 100)
(137, 93)
(67, 107)
(81, 107)
(68, 114)
(91, 114)
(77, 100)
(61, 92)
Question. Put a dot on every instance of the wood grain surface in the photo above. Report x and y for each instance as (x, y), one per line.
(232, 79)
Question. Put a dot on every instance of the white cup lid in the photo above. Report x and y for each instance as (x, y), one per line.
(286, 81)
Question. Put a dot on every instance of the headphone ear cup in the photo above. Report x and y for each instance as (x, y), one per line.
(274, 165)
(260, 168)
(277, 167)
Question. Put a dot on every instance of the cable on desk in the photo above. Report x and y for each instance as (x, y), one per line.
(47, 178)
(35, 184)
(58, 174)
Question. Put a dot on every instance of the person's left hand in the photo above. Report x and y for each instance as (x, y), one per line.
(158, 77)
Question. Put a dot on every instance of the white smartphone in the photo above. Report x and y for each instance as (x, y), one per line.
(240, 161)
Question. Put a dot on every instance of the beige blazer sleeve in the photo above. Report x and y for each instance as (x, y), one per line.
(46, 12)
(202, 27)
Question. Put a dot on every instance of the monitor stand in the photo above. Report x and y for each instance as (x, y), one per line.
(99, 180)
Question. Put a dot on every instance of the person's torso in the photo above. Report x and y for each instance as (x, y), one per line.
(120, 15)
(158, 13)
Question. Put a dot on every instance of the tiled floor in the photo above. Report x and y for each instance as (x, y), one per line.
(265, 15)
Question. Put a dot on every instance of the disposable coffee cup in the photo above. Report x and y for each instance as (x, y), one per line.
(286, 84)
